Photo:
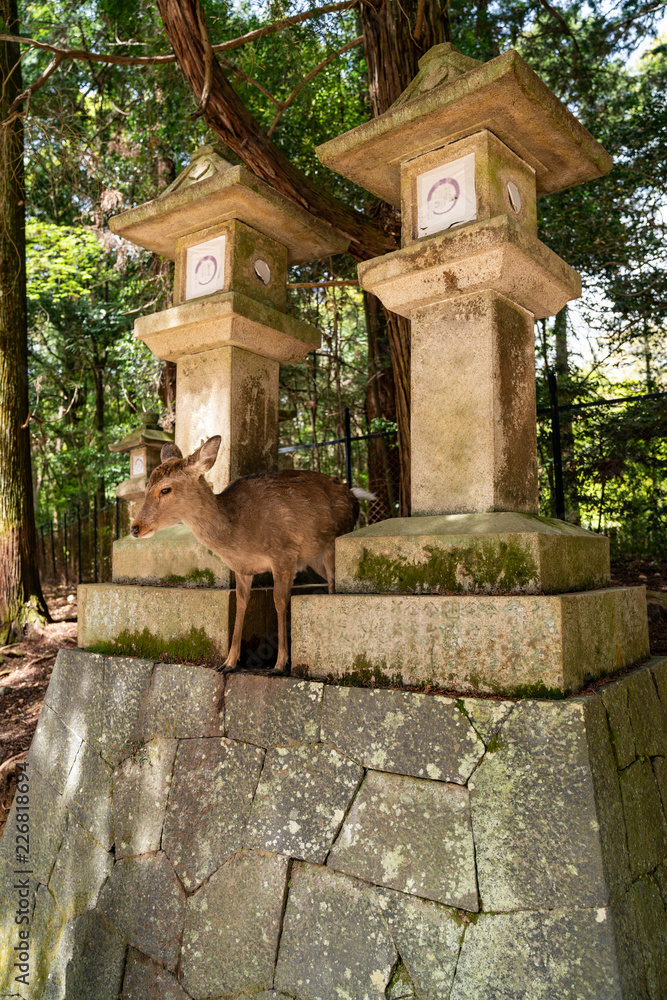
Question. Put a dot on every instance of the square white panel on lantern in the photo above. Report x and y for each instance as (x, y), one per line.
(137, 465)
(205, 268)
(446, 196)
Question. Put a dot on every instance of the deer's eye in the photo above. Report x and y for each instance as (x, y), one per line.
(166, 490)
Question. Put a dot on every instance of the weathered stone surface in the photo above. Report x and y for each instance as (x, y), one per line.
(88, 794)
(628, 956)
(81, 867)
(126, 684)
(401, 986)
(47, 828)
(428, 938)
(647, 715)
(172, 553)
(140, 791)
(486, 716)
(608, 803)
(660, 772)
(544, 956)
(651, 921)
(46, 928)
(519, 645)
(76, 691)
(615, 699)
(659, 671)
(232, 927)
(209, 805)
(645, 822)
(423, 735)
(183, 702)
(301, 800)
(89, 964)
(144, 901)
(412, 835)
(53, 749)
(533, 810)
(272, 711)
(146, 980)
(335, 943)
(491, 551)
(9, 929)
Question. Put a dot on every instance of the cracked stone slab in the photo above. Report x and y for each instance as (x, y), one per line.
(659, 671)
(645, 822)
(232, 927)
(412, 835)
(272, 711)
(183, 702)
(209, 805)
(423, 735)
(608, 804)
(615, 700)
(145, 903)
(335, 943)
(486, 715)
(543, 956)
(88, 794)
(428, 938)
(660, 772)
(76, 691)
(534, 814)
(126, 685)
(81, 867)
(146, 980)
(46, 929)
(48, 820)
(647, 715)
(651, 923)
(53, 749)
(301, 800)
(140, 791)
(89, 963)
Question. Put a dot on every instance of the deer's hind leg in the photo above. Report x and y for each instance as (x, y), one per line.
(243, 585)
(324, 566)
(282, 588)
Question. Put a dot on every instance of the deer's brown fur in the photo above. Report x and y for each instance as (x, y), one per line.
(278, 521)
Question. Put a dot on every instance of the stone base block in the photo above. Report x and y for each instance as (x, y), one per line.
(502, 645)
(169, 622)
(507, 552)
(172, 556)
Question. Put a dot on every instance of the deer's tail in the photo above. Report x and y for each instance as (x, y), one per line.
(362, 494)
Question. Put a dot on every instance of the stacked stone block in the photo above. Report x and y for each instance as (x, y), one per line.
(275, 837)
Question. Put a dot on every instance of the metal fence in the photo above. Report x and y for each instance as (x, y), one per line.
(75, 546)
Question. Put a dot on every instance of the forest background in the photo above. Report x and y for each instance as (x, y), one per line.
(101, 137)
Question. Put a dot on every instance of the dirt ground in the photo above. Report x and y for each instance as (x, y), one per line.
(25, 668)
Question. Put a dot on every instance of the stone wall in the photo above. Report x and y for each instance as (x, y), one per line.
(275, 837)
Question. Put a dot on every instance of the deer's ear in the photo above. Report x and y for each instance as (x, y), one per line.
(204, 457)
(170, 451)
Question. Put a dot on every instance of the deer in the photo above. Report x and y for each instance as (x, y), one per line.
(279, 521)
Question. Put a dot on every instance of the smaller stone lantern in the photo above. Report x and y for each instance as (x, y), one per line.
(143, 446)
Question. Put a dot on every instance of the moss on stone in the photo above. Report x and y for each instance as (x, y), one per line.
(197, 578)
(194, 646)
(480, 566)
(366, 674)
(535, 691)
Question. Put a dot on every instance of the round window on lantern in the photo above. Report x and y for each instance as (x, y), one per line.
(514, 196)
(263, 271)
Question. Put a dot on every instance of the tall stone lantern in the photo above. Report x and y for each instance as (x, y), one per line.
(232, 238)
(143, 447)
(475, 590)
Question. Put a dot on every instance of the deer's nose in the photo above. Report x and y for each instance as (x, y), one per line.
(134, 530)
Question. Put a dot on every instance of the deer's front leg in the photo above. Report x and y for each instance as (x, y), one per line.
(243, 585)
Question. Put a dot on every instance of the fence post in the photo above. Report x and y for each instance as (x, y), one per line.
(95, 538)
(53, 550)
(555, 444)
(348, 448)
(117, 518)
(78, 538)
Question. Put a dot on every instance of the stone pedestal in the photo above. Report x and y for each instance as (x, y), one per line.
(232, 238)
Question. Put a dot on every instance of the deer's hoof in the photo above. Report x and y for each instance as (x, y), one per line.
(227, 668)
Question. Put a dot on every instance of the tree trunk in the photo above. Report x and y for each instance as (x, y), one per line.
(21, 599)
(392, 58)
(570, 478)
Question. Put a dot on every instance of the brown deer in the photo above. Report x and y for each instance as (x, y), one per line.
(277, 521)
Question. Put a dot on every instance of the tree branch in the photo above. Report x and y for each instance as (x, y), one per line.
(26, 94)
(284, 105)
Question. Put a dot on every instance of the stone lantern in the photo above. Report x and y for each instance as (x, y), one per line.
(475, 590)
(143, 446)
(232, 238)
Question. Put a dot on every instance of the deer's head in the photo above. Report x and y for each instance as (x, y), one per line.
(175, 488)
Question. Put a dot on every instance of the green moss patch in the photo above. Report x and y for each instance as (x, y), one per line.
(194, 646)
(197, 578)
